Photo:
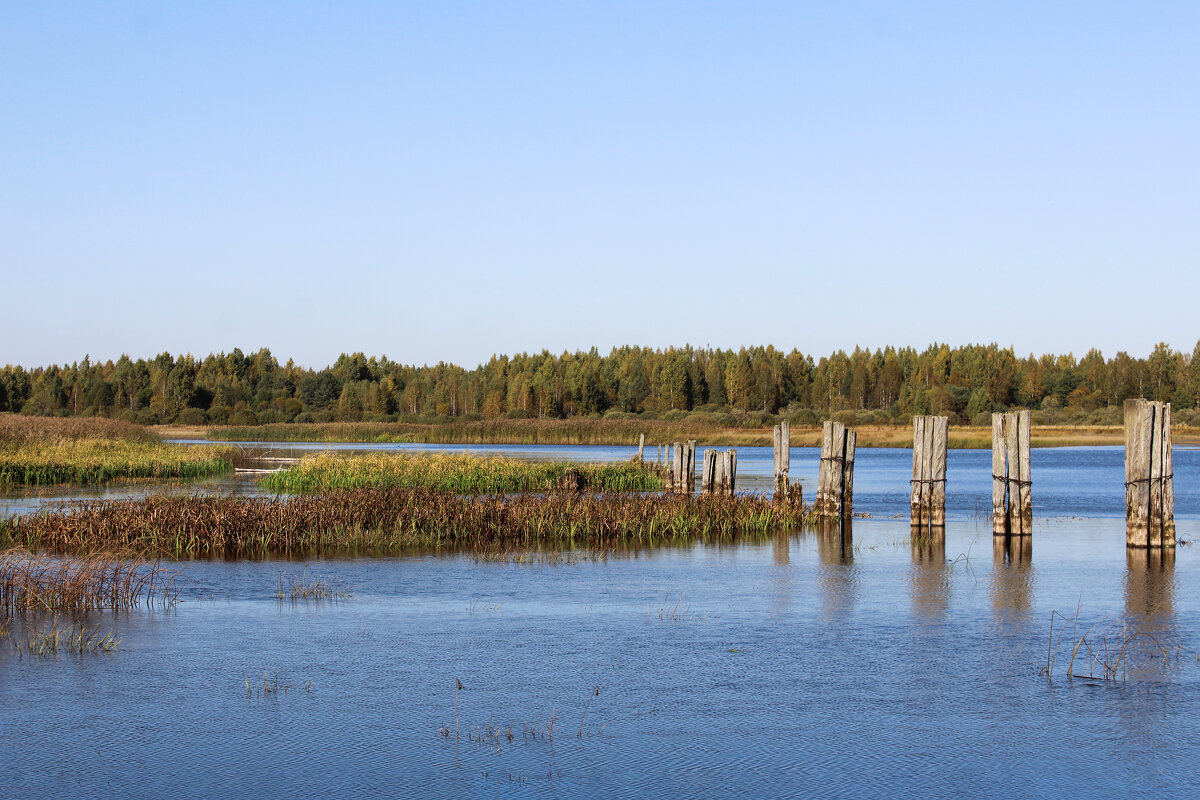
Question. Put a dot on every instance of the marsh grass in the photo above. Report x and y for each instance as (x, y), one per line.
(669, 612)
(398, 521)
(51, 639)
(1107, 650)
(273, 686)
(32, 583)
(623, 432)
(463, 473)
(301, 586)
(39, 451)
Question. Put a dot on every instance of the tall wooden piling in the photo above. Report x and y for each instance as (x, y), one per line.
(928, 499)
(641, 445)
(683, 467)
(720, 472)
(835, 476)
(1149, 475)
(1012, 496)
(783, 457)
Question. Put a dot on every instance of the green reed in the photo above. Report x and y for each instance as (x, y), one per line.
(462, 473)
(93, 461)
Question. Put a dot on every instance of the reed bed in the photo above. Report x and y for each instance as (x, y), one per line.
(624, 432)
(30, 582)
(501, 431)
(41, 451)
(463, 473)
(93, 461)
(379, 521)
(18, 430)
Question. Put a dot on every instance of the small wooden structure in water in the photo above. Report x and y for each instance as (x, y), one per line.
(783, 458)
(1149, 475)
(641, 446)
(835, 477)
(720, 472)
(683, 467)
(1012, 495)
(928, 502)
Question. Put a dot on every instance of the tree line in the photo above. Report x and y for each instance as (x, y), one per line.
(747, 386)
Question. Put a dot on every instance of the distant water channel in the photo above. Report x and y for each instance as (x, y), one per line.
(814, 665)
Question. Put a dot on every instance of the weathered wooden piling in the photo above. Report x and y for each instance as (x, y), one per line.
(783, 457)
(928, 500)
(835, 476)
(1012, 496)
(641, 445)
(683, 467)
(720, 472)
(1149, 475)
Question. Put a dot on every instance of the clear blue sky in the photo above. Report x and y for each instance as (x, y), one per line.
(441, 181)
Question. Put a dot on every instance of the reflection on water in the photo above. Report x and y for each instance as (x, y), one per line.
(902, 672)
(1149, 582)
(781, 546)
(835, 553)
(1012, 574)
(929, 578)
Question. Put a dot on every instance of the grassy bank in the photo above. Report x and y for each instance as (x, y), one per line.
(624, 432)
(41, 451)
(382, 521)
(459, 472)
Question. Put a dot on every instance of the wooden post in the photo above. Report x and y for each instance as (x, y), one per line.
(690, 474)
(783, 447)
(848, 474)
(1168, 486)
(835, 478)
(941, 434)
(775, 452)
(917, 507)
(641, 445)
(708, 484)
(999, 477)
(1024, 431)
(928, 499)
(731, 472)
(821, 504)
(1149, 475)
(1012, 469)
(1138, 426)
(1012, 495)
(676, 468)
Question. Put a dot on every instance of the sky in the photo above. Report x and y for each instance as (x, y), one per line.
(444, 181)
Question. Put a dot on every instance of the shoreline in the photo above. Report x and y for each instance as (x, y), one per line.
(624, 433)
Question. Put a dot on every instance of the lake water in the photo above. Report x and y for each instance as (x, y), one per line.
(812, 665)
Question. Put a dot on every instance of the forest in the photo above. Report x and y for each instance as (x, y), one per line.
(747, 387)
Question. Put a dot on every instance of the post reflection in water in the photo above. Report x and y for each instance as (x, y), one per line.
(929, 578)
(1150, 584)
(781, 578)
(835, 549)
(1012, 574)
(781, 548)
(1150, 613)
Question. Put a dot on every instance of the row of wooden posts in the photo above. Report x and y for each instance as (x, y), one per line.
(1149, 473)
